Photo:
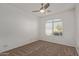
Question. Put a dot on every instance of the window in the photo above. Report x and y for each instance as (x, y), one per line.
(48, 28)
(58, 28)
(54, 27)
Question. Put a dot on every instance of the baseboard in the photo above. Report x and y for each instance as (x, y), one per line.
(17, 46)
(77, 48)
(60, 43)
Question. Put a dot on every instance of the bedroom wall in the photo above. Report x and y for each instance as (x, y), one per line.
(16, 27)
(77, 27)
(68, 18)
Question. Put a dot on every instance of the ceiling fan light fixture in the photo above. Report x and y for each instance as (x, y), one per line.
(42, 11)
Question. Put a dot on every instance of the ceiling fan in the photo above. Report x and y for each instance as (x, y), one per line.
(43, 9)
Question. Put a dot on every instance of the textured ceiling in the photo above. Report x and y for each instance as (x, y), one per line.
(54, 7)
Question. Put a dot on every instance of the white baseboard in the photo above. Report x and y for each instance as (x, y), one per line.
(77, 48)
(10, 48)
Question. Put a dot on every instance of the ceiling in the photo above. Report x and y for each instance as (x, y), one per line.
(54, 7)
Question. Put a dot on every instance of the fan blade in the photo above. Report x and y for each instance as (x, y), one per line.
(46, 5)
(41, 6)
(36, 11)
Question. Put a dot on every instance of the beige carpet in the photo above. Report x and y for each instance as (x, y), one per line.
(42, 48)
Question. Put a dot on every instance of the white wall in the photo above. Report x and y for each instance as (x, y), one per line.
(16, 27)
(77, 26)
(68, 37)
